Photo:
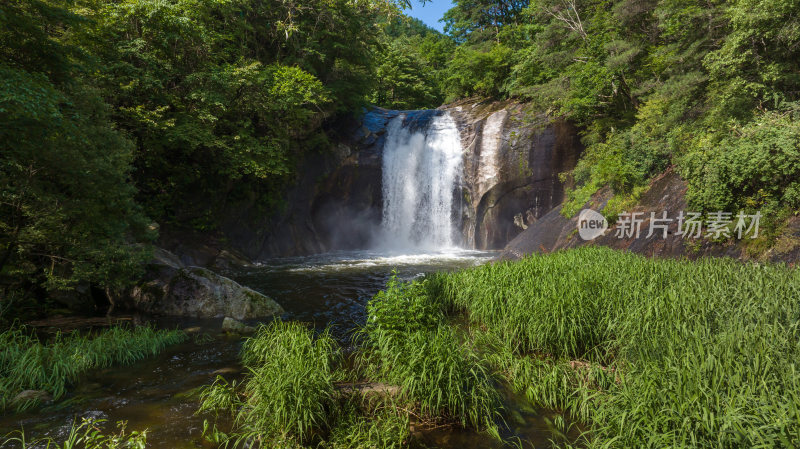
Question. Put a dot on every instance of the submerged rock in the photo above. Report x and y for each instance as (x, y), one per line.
(37, 396)
(231, 325)
(169, 288)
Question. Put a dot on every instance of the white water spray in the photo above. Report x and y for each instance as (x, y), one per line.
(421, 169)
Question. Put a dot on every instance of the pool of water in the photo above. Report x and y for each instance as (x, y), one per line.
(328, 290)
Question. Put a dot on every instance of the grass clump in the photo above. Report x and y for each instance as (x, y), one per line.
(289, 398)
(367, 423)
(27, 363)
(290, 392)
(408, 343)
(647, 353)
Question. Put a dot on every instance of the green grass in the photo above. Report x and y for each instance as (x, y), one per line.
(408, 343)
(638, 353)
(289, 399)
(647, 353)
(26, 363)
(365, 424)
(290, 392)
(86, 435)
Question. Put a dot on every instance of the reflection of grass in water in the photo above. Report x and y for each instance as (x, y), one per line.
(26, 363)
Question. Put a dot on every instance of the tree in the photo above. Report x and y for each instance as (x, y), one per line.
(411, 66)
(476, 21)
(223, 98)
(402, 80)
(67, 213)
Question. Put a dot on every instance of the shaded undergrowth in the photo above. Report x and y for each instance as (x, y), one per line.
(28, 363)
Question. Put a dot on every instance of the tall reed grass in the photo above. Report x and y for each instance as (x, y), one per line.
(648, 353)
(27, 363)
(407, 342)
(289, 399)
(643, 353)
(290, 391)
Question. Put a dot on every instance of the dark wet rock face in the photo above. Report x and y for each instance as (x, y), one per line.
(667, 192)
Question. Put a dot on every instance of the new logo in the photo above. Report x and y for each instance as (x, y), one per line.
(591, 224)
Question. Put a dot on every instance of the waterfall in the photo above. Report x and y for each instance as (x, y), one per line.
(421, 169)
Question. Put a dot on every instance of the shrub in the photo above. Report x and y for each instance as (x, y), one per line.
(756, 166)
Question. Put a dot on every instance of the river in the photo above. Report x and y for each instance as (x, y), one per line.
(157, 394)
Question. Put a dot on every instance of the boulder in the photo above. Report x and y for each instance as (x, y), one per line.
(170, 288)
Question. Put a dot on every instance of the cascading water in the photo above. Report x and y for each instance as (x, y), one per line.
(421, 168)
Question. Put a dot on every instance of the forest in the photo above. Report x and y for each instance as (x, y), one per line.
(115, 117)
(124, 120)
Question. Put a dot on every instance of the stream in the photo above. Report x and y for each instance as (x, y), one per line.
(332, 289)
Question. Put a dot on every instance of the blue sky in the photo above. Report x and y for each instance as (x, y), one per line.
(431, 12)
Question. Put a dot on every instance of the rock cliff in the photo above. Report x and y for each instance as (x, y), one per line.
(666, 192)
(512, 158)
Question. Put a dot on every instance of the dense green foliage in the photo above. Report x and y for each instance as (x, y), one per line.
(113, 114)
(66, 206)
(221, 97)
(646, 353)
(410, 71)
(27, 363)
(710, 87)
(116, 114)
